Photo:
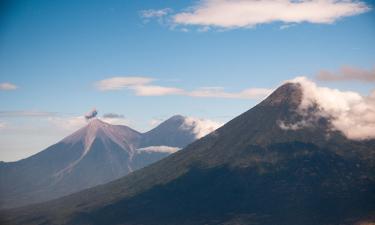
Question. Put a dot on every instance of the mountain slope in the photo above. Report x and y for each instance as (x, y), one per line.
(171, 132)
(93, 155)
(250, 171)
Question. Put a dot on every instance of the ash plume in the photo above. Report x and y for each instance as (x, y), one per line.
(91, 114)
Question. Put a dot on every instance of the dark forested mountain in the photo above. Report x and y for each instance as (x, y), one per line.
(95, 154)
(250, 171)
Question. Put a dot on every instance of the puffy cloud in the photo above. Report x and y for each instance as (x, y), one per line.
(26, 113)
(349, 112)
(7, 86)
(248, 13)
(347, 73)
(143, 86)
(161, 148)
(118, 83)
(200, 127)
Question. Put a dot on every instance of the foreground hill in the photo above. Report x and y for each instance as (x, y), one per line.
(96, 154)
(250, 171)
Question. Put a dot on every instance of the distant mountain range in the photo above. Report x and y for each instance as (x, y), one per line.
(96, 154)
(250, 171)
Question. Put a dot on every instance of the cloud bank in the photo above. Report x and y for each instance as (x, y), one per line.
(7, 86)
(249, 13)
(347, 73)
(143, 86)
(349, 112)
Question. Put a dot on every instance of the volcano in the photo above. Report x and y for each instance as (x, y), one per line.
(96, 154)
(255, 169)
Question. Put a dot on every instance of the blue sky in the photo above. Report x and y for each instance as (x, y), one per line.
(56, 52)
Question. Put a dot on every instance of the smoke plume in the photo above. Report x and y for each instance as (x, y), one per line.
(91, 114)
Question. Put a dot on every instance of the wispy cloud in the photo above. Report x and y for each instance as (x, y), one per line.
(154, 90)
(230, 14)
(152, 13)
(347, 73)
(287, 26)
(219, 92)
(113, 115)
(7, 86)
(26, 114)
(70, 124)
(143, 86)
(160, 15)
(160, 149)
(116, 119)
(118, 83)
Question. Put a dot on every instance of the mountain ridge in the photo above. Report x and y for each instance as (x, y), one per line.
(249, 171)
(93, 155)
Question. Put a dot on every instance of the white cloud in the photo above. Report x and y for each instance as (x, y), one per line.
(155, 122)
(248, 13)
(116, 121)
(143, 86)
(350, 113)
(68, 123)
(219, 92)
(200, 127)
(152, 13)
(287, 26)
(7, 86)
(118, 83)
(154, 90)
(161, 148)
(26, 113)
(2, 125)
(347, 73)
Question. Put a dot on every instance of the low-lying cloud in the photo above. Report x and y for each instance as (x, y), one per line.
(200, 127)
(348, 73)
(249, 13)
(219, 92)
(26, 113)
(143, 86)
(349, 112)
(7, 86)
(160, 149)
